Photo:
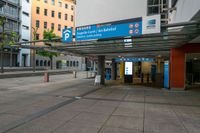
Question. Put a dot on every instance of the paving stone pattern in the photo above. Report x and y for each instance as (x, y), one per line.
(53, 108)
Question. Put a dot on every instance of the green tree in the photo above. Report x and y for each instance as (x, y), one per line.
(48, 34)
(6, 38)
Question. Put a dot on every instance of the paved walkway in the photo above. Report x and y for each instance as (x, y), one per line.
(76, 106)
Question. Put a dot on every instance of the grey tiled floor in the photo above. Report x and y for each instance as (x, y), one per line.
(111, 109)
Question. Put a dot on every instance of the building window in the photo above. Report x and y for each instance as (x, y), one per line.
(70, 63)
(53, 2)
(37, 36)
(37, 10)
(41, 63)
(66, 6)
(66, 16)
(59, 27)
(67, 63)
(45, 25)
(24, 40)
(25, 27)
(37, 23)
(49, 63)
(156, 6)
(45, 63)
(59, 15)
(37, 63)
(72, 7)
(45, 1)
(25, 13)
(60, 4)
(52, 14)
(72, 18)
(74, 63)
(52, 26)
(77, 63)
(45, 12)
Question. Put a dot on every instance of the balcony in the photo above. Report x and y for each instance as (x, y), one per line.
(7, 12)
(14, 1)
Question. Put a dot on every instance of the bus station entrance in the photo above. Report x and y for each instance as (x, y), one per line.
(140, 51)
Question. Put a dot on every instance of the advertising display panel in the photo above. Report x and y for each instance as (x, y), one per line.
(128, 68)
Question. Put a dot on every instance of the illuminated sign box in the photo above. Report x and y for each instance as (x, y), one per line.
(128, 68)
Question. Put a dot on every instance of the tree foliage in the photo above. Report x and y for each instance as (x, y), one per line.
(48, 34)
(9, 37)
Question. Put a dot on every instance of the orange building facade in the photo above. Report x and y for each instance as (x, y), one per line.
(52, 14)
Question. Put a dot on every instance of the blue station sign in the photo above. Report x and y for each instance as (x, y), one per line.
(130, 27)
(134, 60)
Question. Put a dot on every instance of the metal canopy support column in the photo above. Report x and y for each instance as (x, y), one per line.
(114, 70)
(101, 68)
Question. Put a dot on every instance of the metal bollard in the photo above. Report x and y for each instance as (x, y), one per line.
(75, 74)
(46, 77)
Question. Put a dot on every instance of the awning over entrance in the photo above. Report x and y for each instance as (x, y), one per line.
(172, 35)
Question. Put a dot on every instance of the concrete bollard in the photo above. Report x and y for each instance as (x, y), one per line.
(46, 77)
(75, 74)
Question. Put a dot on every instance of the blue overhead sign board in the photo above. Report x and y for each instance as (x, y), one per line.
(67, 35)
(116, 29)
(134, 60)
(130, 27)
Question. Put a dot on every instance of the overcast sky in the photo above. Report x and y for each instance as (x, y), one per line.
(98, 11)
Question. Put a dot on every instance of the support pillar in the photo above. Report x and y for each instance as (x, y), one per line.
(101, 68)
(122, 66)
(114, 70)
(159, 65)
(177, 69)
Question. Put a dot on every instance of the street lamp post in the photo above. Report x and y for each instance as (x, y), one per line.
(2, 52)
(34, 52)
(2, 71)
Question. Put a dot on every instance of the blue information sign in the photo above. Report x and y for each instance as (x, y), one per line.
(134, 60)
(67, 35)
(166, 75)
(131, 27)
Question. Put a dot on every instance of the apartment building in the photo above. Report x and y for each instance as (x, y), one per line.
(54, 15)
(25, 27)
(10, 9)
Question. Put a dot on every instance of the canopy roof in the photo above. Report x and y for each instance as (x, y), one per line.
(172, 35)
